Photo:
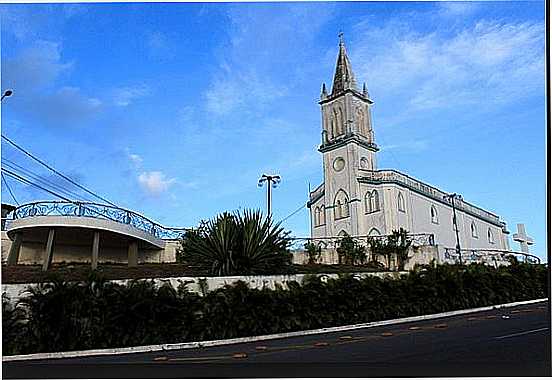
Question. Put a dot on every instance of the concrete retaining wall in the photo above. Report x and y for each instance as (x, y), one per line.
(14, 291)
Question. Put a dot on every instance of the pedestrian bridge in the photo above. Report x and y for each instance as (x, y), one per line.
(84, 228)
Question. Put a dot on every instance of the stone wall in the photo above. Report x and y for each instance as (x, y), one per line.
(417, 255)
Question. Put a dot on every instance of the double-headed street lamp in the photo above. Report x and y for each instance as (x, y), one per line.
(451, 198)
(272, 180)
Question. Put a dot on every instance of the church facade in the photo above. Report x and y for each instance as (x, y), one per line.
(359, 199)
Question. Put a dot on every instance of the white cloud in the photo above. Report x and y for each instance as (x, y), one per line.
(411, 146)
(485, 63)
(263, 43)
(136, 159)
(34, 67)
(155, 182)
(159, 45)
(124, 96)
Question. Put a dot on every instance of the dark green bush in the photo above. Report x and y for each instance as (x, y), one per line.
(237, 244)
(98, 314)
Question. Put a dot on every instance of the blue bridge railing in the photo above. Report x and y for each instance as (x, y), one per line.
(96, 210)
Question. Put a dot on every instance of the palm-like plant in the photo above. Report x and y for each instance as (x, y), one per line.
(233, 244)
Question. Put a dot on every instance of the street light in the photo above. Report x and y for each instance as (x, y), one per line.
(452, 197)
(272, 180)
(6, 94)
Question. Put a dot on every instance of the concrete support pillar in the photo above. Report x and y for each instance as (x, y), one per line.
(133, 254)
(13, 256)
(95, 250)
(49, 250)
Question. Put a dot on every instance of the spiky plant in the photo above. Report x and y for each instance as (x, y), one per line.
(235, 244)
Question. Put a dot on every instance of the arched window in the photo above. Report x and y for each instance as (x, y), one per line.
(490, 236)
(374, 232)
(317, 216)
(322, 215)
(371, 201)
(342, 233)
(341, 205)
(333, 120)
(474, 230)
(434, 215)
(400, 201)
(375, 201)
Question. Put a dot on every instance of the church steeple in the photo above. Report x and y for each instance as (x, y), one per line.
(344, 77)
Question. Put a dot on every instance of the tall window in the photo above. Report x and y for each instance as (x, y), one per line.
(371, 201)
(490, 236)
(319, 216)
(400, 202)
(341, 205)
(474, 230)
(434, 215)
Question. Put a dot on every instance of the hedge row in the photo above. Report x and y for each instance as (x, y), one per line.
(60, 316)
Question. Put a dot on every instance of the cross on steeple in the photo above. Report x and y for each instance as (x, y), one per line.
(341, 37)
(522, 238)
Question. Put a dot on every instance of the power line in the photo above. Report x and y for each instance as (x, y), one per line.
(9, 189)
(293, 213)
(22, 170)
(56, 172)
(21, 179)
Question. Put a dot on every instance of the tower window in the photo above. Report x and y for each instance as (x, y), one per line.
(400, 201)
(341, 205)
(434, 215)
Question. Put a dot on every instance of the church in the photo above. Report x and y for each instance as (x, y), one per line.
(359, 199)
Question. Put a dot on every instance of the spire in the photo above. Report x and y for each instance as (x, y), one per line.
(344, 77)
(324, 93)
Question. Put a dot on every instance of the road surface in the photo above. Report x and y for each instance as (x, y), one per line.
(508, 342)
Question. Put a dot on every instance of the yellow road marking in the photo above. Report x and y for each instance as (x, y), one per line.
(261, 348)
(239, 355)
(441, 326)
(415, 328)
(346, 337)
(198, 358)
(387, 334)
(160, 358)
(321, 344)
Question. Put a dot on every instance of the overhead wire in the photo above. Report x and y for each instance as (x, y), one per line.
(293, 213)
(44, 181)
(24, 180)
(29, 154)
(9, 189)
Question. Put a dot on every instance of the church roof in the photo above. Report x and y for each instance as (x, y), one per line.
(344, 77)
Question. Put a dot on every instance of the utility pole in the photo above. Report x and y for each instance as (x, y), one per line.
(272, 180)
(452, 197)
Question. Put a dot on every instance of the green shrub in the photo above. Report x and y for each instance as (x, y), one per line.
(237, 244)
(99, 314)
(350, 252)
(314, 252)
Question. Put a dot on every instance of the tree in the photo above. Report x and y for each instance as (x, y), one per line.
(314, 252)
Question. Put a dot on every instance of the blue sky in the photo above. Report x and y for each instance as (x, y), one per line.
(174, 110)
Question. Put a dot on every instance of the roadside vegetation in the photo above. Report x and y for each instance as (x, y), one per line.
(62, 316)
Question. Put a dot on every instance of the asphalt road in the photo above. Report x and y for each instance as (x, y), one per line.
(509, 342)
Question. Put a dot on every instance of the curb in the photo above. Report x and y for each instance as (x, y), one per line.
(212, 343)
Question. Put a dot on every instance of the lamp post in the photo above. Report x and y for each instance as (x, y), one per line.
(451, 198)
(272, 180)
(6, 94)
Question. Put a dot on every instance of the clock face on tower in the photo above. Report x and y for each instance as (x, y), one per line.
(339, 164)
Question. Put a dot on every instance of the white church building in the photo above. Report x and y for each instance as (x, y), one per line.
(359, 199)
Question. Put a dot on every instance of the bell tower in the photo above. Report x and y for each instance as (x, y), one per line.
(347, 146)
